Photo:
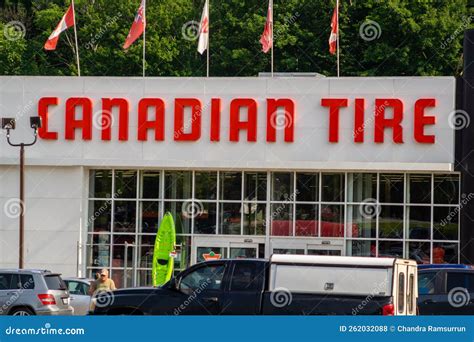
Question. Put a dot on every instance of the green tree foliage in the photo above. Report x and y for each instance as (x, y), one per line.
(378, 37)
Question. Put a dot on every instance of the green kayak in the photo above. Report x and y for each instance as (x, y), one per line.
(163, 261)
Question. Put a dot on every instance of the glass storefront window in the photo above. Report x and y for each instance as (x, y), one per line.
(125, 184)
(99, 218)
(149, 217)
(205, 185)
(362, 187)
(282, 219)
(419, 251)
(231, 186)
(230, 218)
(391, 221)
(125, 214)
(306, 222)
(254, 218)
(445, 253)
(100, 184)
(205, 219)
(390, 249)
(307, 187)
(282, 186)
(332, 187)
(332, 220)
(391, 188)
(362, 220)
(178, 184)
(288, 251)
(150, 184)
(182, 220)
(419, 223)
(255, 186)
(243, 252)
(446, 223)
(446, 189)
(203, 251)
(419, 188)
(366, 248)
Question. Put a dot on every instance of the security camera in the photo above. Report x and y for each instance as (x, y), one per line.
(35, 122)
(8, 123)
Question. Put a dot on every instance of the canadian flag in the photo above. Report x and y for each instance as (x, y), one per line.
(334, 31)
(138, 26)
(267, 36)
(66, 22)
(203, 44)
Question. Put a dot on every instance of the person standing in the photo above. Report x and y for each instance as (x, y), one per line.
(103, 284)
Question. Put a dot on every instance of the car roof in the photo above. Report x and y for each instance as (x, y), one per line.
(26, 270)
(332, 260)
(85, 280)
(445, 266)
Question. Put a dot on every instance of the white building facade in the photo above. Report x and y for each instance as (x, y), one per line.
(247, 166)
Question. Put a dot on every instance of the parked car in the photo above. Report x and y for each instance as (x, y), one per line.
(446, 289)
(79, 294)
(283, 285)
(33, 292)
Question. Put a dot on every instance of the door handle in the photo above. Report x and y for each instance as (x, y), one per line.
(211, 299)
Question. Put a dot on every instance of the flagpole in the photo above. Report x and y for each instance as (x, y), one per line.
(273, 43)
(144, 38)
(337, 36)
(75, 38)
(208, 35)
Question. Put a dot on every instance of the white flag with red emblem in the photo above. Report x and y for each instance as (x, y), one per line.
(267, 36)
(334, 31)
(138, 26)
(66, 22)
(203, 44)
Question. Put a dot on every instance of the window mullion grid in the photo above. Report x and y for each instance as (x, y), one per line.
(432, 219)
(112, 213)
(293, 202)
(218, 204)
(193, 174)
(320, 186)
(268, 211)
(378, 210)
(137, 221)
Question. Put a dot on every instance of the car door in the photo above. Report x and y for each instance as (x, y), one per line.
(430, 285)
(80, 300)
(9, 291)
(246, 284)
(459, 293)
(201, 290)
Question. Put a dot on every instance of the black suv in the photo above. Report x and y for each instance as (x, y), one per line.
(446, 290)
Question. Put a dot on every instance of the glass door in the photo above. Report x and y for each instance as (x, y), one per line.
(214, 248)
(306, 247)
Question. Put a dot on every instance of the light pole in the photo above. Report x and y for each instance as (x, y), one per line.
(9, 124)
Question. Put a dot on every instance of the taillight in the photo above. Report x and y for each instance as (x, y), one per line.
(388, 310)
(47, 299)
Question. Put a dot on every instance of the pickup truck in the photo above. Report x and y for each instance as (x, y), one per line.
(282, 285)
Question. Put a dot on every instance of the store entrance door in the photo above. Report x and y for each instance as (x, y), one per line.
(214, 248)
(306, 246)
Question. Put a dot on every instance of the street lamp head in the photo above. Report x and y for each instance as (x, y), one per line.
(35, 122)
(8, 123)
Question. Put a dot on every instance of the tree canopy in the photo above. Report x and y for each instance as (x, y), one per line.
(377, 37)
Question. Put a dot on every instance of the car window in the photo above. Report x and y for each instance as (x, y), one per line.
(9, 281)
(245, 277)
(460, 279)
(426, 283)
(54, 282)
(401, 292)
(76, 287)
(204, 278)
(27, 281)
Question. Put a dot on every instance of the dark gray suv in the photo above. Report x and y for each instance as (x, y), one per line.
(33, 292)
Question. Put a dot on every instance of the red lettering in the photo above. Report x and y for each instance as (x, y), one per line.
(395, 123)
(289, 117)
(359, 125)
(85, 124)
(215, 119)
(158, 124)
(334, 105)
(196, 110)
(107, 120)
(236, 124)
(421, 121)
(43, 106)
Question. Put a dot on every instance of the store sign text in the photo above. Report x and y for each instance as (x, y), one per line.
(151, 118)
